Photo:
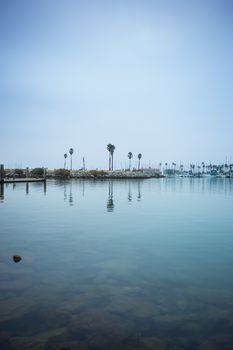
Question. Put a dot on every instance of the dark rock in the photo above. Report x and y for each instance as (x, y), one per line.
(17, 258)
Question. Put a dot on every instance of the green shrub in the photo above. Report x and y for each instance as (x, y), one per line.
(63, 173)
(19, 172)
(37, 172)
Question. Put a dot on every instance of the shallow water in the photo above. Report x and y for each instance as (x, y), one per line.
(141, 264)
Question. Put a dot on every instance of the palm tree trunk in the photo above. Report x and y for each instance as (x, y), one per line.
(112, 162)
(109, 162)
(71, 162)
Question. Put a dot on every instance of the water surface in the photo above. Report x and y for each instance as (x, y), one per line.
(133, 264)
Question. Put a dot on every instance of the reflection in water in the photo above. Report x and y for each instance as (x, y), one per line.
(139, 191)
(45, 187)
(83, 188)
(129, 192)
(110, 202)
(65, 195)
(71, 201)
(189, 185)
(27, 188)
(1, 192)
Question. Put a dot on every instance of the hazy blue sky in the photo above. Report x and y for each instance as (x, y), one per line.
(149, 76)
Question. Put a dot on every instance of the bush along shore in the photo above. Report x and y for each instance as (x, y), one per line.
(80, 174)
(101, 174)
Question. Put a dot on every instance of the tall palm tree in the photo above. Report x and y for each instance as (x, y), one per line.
(174, 167)
(112, 151)
(130, 156)
(65, 156)
(139, 160)
(191, 168)
(203, 167)
(109, 147)
(71, 151)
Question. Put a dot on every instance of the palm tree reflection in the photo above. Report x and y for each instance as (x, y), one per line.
(83, 188)
(139, 191)
(1, 192)
(27, 188)
(129, 193)
(71, 200)
(110, 202)
(65, 195)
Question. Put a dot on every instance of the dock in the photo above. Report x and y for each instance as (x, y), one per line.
(26, 179)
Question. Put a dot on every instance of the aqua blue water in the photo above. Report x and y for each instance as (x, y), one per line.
(139, 264)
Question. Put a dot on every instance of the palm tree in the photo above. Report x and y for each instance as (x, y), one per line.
(65, 156)
(174, 167)
(139, 159)
(112, 151)
(203, 167)
(71, 151)
(130, 156)
(109, 147)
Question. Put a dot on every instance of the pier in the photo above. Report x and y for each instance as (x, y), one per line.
(4, 180)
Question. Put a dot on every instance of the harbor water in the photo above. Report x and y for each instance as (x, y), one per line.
(117, 265)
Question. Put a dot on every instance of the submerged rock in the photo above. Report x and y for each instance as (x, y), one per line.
(100, 328)
(154, 343)
(68, 345)
(4, 341)
(17, 258)
(208, 345)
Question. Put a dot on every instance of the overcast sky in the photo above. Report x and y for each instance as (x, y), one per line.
(148, 76)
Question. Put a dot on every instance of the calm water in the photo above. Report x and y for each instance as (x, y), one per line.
(117, 265)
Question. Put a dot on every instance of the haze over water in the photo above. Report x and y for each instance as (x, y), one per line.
(117, 265)
(149, 76)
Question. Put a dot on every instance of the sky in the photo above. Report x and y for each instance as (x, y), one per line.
(151, 76)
